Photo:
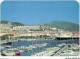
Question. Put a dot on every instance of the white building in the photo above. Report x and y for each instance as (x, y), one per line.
(5, 27)
(37, 27)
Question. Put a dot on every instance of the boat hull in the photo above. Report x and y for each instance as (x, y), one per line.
(66, 38)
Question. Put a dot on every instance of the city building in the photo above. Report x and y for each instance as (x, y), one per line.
(5, 27)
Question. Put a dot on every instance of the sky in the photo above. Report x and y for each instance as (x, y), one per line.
(39, 12)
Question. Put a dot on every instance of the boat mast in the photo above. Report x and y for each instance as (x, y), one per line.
(39, 43)
(32, 41)
(36, 43)
(49, 39)
(42, 42)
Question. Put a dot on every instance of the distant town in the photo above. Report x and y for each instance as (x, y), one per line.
(35, 30)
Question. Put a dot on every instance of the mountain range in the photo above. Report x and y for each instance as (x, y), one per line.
(12, 23)
(67, 26)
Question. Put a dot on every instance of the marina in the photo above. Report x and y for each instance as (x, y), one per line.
(41, 47)
(39, 28)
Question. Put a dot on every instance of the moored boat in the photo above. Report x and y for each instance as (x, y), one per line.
(10, 52)
(8, 46)
(66, 37)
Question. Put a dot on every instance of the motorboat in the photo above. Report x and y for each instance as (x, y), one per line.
(8, 46)
(10, 52)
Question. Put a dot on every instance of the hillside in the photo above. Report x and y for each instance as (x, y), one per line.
(12, 23)
(67, 26)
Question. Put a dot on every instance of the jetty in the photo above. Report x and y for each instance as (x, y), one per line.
(54, 51)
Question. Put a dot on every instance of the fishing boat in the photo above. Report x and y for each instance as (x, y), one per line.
(8, 46)
(22, 47)
(66, 37)
(2, 47)
(62, 44)
(44, 44)
(20, 50)
(27, 49)
(32, 46)
(10, 52)
(17, 53)
(15, 48)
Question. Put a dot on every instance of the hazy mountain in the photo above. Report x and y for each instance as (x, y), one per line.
(63, 25)
(12, 23)
(67, 26)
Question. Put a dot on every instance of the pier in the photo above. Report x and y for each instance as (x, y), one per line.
(52, 51)
(57, 53)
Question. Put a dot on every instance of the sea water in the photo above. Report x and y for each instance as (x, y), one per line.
(50, 43)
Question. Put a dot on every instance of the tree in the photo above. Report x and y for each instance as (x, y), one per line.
(5, 36)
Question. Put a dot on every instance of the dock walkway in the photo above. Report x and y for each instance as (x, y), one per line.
(51, 51)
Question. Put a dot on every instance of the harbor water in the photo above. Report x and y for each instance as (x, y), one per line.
(50, 43)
